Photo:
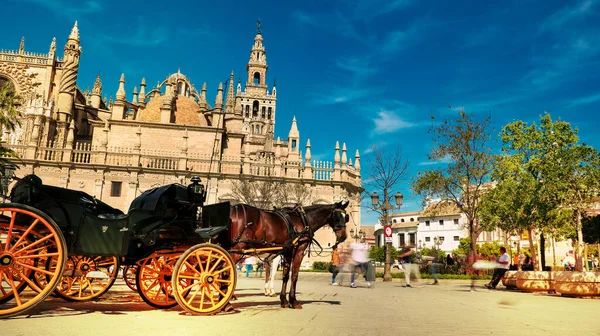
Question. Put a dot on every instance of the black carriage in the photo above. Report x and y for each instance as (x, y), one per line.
(68, 242)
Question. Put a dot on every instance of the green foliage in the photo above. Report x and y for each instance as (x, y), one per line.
(9, 117)
(463, 248)
(321, 265)
(378, 253)
(433, 252)
(464, 141)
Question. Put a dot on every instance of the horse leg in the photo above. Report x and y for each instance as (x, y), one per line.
(286, 276)
(274, 265)
(297, 261)
(267, 276)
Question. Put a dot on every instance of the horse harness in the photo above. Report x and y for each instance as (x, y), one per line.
(294, 237)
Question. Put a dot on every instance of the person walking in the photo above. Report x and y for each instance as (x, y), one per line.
(249, 262)
(335, 265)
(408, 266)
(360, 258)
(503, 265)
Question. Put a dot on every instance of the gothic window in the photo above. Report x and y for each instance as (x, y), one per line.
(255, 109)
(256, 78)
(269, 113)
(247, 111)
(180, 88)
(293, 144)
(263, 112)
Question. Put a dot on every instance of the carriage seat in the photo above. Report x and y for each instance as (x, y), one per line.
(111, 216)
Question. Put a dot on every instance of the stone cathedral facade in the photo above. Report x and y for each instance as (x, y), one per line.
(152, 136)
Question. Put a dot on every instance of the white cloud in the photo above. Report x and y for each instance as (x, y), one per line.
(584, 100)
(389, 122)
(304, 19)
(140, 35)
(445, 159)
(339, 95)
(568, 14)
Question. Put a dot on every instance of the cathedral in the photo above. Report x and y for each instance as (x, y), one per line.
(117, 149)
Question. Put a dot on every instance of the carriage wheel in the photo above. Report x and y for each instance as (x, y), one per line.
(28, 237)
(211, 278)
(86, 278)
(129, 273)
(153, 280)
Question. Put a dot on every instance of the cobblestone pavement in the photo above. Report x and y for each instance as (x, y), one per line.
(386, 309)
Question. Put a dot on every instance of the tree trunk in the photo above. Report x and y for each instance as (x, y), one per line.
(543, 251)
(532, 249)
(578, 250)
(553, 251)
(585, 257)
(519, 253)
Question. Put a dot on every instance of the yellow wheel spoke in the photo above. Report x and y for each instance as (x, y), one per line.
(199, 262)
(218, 289)
(216, 264)
(11, 283)
(222, 270)
(31, 283)
(23, 235)
(34, 268)
(202, 298)
(37, 242)
(9, 233)
(194, 295)
(31, 256)
(223, 281)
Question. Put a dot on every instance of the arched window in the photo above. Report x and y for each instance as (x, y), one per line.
(394, 221)
(402, 220)
(263, 112)
(255, 109)
(247, 111)
(269, 113)
(412, 219)
(180, 88)
(256, 78)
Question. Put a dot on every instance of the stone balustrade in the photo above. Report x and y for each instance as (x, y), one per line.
(566, 283)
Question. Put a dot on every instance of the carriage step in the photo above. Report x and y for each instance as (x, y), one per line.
(97, 275)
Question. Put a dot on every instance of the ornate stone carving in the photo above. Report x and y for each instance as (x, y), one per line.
(81, 184)
(23, 80)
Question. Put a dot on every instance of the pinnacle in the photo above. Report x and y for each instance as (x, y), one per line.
(74, 32)
(122, 78)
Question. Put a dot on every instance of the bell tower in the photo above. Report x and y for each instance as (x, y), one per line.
(257, 65)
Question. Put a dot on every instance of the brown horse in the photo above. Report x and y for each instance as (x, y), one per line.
(290, 228)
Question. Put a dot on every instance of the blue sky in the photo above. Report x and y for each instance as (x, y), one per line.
(362, 72)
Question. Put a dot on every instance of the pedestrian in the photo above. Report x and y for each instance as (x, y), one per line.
(449, 260)
(503, 265)
(259, 269)
(433, 269)
(408, 266)
(249, 262)
(360, 259)
(335, 265)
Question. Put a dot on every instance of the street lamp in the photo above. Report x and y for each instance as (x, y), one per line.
(9, 172)
(385, 206)
(359, 234)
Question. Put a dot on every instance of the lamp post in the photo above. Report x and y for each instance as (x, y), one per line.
(385, 206)
(359, 234)
(437, 241)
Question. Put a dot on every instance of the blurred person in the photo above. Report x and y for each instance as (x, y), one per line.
(259, 269)
(503, 265)
(408, 266)
(249, 262)
(360, 259)
(335, 263)
(450, 259)
(569, 261)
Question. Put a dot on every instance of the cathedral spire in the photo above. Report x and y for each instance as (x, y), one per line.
(97, 89)
(142, 97)
(74, 33)
(219, 98)
(52, 51)
(257, 65)
(230, 100)
(22, 46)
(121, 96)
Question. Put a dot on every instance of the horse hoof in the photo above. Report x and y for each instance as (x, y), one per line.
(233, 298)
(296, 306)
(284, 304)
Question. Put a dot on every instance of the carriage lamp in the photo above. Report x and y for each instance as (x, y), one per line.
(9, 171)
(197, 189)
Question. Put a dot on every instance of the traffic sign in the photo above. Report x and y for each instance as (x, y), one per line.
(388, 239)
(388, 231)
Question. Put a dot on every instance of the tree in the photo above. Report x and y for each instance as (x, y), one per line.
(464, 143)
(378, 253)
(386, 172)
(9, 114)
(269, 192)
(561, 174)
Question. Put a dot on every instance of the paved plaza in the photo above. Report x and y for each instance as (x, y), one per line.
(386, 309)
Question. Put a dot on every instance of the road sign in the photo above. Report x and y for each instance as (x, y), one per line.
(388, 231)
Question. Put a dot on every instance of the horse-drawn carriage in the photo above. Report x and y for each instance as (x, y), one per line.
(56, 240)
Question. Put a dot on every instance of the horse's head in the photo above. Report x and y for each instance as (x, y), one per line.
(338, 220)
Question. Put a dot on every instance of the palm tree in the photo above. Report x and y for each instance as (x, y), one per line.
(9, 118)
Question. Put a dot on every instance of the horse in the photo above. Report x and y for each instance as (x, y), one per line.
(288, 232)
(271, 266)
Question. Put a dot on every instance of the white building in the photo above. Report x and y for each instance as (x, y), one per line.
(404, 229)
(441, 225)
